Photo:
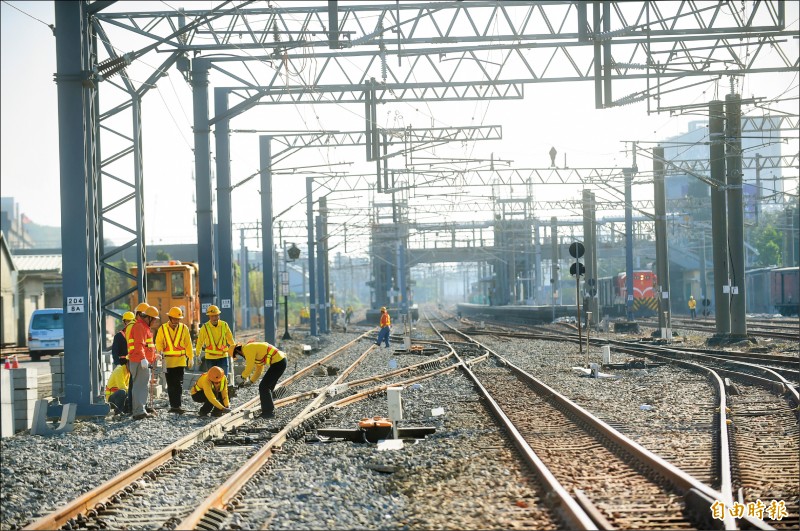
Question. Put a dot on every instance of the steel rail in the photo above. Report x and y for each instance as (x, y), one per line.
(786, 386)
(89, 500)
(571, 513)
(677, 477)
(227, 496)
(218, 499)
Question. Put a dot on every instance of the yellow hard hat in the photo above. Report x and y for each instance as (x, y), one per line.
(175, 312)
(141, 307)
(213, 310)
(128, 316)
(215, 374)
(383, 308)
(691, 297)
(152, 311)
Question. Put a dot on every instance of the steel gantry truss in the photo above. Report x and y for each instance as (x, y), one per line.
(657, 43)
(646, 49)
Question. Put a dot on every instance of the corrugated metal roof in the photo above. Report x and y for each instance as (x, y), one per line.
(38, 262)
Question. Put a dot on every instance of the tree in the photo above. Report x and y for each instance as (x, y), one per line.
(767, 240)
(162, 255)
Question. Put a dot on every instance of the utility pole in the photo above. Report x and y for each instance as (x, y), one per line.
(662, 259)
(719, 227)
(628, 173)
(733, 161)
(554, 263)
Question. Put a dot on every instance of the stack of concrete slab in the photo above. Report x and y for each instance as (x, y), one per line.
(6, 404)
(26, 393)
(57, 376)
(106, 365)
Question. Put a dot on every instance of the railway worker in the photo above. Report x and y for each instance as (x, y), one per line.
(256, 356)
(386, 324)
(117, 388)
(215, 335)
(348, 315)
(174, 341)
(211, 390)
(692, 306)
(140, 358)
(119, 347)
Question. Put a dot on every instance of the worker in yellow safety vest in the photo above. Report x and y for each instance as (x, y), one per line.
(215, 336)
(117, 388)
(174, 341)
(257, 356)
(211, 390)
(692, 306)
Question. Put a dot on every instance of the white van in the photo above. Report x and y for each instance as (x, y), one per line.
(46, 332)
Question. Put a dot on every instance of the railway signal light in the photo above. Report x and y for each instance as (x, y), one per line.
(577, 266)
(576, 250)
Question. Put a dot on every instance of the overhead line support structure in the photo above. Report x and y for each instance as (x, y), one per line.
(706, 35)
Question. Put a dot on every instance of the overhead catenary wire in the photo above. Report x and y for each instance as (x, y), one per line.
(51, 26)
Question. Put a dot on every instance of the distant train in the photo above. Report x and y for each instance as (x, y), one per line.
(773, 290)
(173, 283)
(613, 294)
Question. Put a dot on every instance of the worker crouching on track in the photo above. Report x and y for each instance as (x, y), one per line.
(256, 356)
(141, 356)
(174, 341)
(215, 335)
(211, 390)
(117, 388)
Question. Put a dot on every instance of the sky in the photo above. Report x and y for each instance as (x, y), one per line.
(556, 115)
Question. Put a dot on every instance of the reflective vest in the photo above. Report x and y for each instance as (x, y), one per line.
(385, 319)
(129, 338)
(172, 341)
(267, 359)
(196, 388)
(213, 347)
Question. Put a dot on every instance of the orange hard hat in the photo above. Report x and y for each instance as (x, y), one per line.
(215, 374)
(152, 311)
(141, 307)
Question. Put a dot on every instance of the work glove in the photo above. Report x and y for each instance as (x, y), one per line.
(145, 364)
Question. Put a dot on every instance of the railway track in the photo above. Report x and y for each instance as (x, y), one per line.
(765, 445)
(252, 450)
(777, 436)
(164, 471)
(594, 462)
(788, 331)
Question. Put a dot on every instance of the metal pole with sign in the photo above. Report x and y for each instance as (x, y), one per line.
(285, 293)
(577, 269)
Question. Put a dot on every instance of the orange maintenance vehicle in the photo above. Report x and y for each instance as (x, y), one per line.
(173, 283)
